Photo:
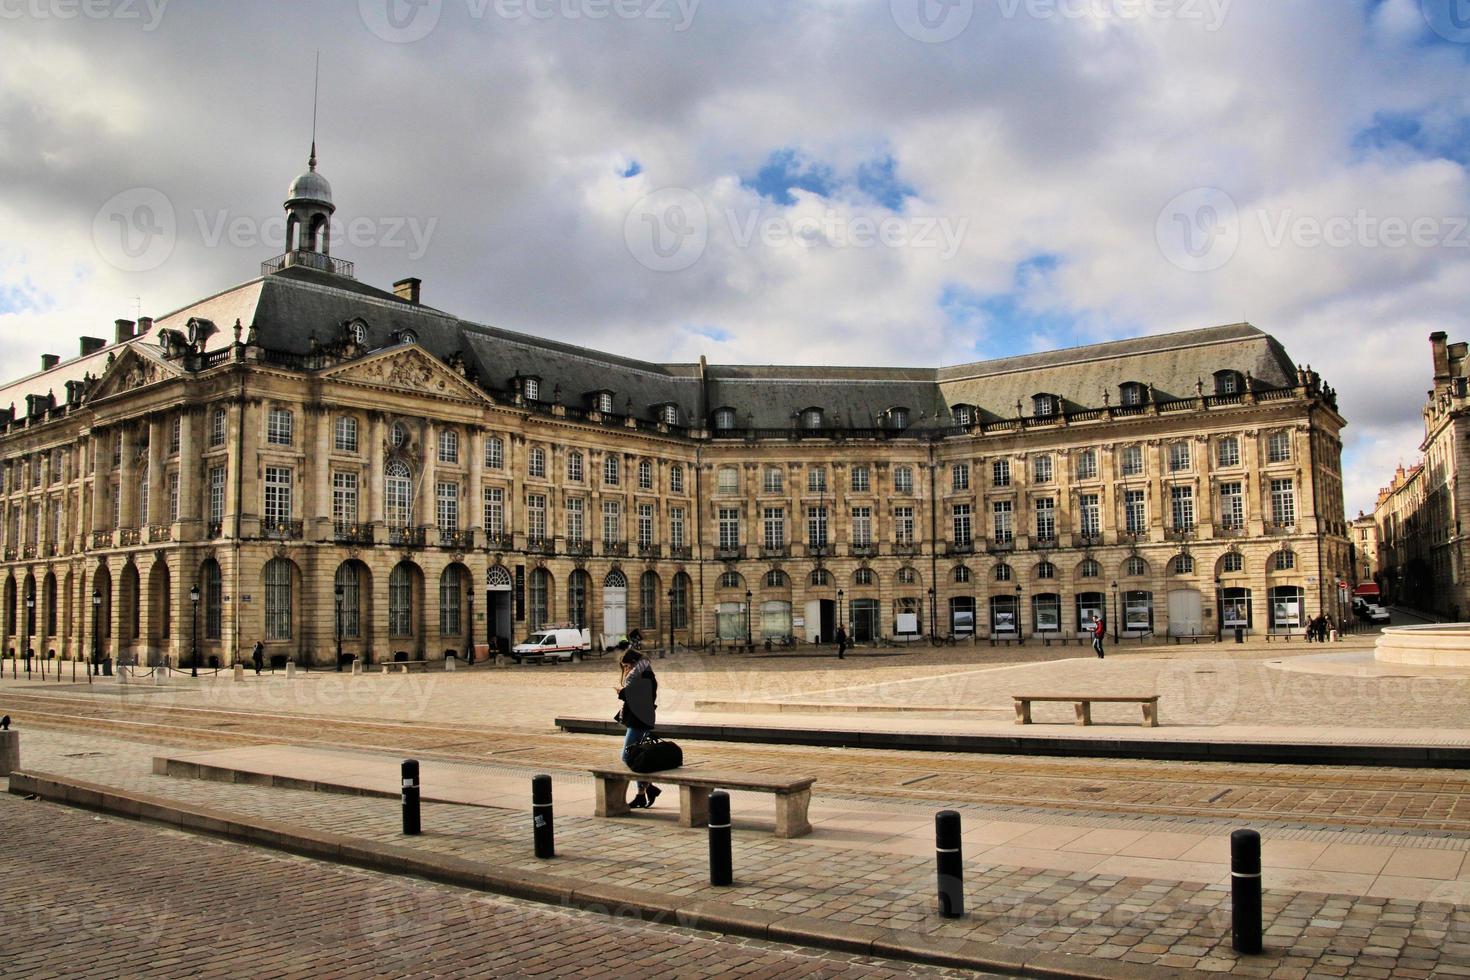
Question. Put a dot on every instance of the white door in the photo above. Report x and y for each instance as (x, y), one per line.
(1185, 616)
(814, 621)
(614, 607)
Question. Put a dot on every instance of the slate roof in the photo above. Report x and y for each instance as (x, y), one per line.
(290, 307)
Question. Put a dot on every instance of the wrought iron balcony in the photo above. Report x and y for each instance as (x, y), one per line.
(1092, 539)
(129, 536)
(499, 542)
(1180, 533)
(1227, 530)
(404, 536)
(819, 551)
(1000, 546)
(579, 549)
(960, 548)
(160, 532)
(282, 530)
(779, 551)
(540, 545)
(649, 551)
(615, 549)
(10, 554)
(454, 538)
(215, 529)
(1045, 542)
(683, 551)
(733, 553)
(101, 539)
(866, 549)
(906, 548)
(345, 533)
(1277, 527)
(312, 260)
(29, 551)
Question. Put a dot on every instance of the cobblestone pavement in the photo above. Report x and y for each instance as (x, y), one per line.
(167, 904)
(1129, 919)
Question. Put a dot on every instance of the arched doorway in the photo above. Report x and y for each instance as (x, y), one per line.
(614, 607)
(538, 599)
(100, 601)
(28, 618)
(160, 614)
(130, 600)
(405, 602)
(49, 616)
(352, 591)
(10, 609)
(648, 598)
(499, 609)
(454, 614)
(578, 585)
(280, 582)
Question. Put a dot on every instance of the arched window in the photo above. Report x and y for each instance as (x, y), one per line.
(1234, 562)
(1046, 570)
(1135, 567)
(731, 580)
(605, 402)
(1090, 568)
(398, 434)
(400, 601)
(679, 601)
(907, 576)
(821, 577)
(539, 598)
(1045, 406)
(213, 594)
(724, 419)
(448, 446)
(776, 579)
(863, 576)
(612, 465)
(1131, 393)
(398, 494)
(645, 475)
(575, 471)
(1003, 573)
(278, 599)
(961, 575)
(345, 434)
(349, 584)
(898, 418)
(648, 600)
(1283, 561)
(451, 591)
(963, 415)
(497, 579)
(1183, 565)
(577, 584)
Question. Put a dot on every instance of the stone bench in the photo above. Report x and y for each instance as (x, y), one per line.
(1084, 705)
(1179, 638)
(404, 665)
(793, 796)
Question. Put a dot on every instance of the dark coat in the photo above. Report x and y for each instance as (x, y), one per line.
(640, 697)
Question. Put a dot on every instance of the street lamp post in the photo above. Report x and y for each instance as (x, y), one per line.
(1115, 611)
(748, 641)
(1020, 631)
(671, 620)
(338, 591)
(933, 614)
(194, 639)
(1219, 610)
(96, 631)
(840, 621)
(30, 627)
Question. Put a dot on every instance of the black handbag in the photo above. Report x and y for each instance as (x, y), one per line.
(655, 754)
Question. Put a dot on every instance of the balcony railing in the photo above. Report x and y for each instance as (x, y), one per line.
(775, 551)
(129, 536)
(404, 536)
(1180, 533)
(1045, 542)
(10, 554)
(499, 542)
(906, 548)
(345, 533)
(160, 532)
(579, 549)
(29, 551)
(282, 530)
(959, 548)
(312, 260)
(681, 551)
(540, 545)
(996, 546)
(101, 539)
(819, 551)
(1230, 530)
(650, 551)
(1279, 527)
(1089, 539)
(215, 529)
(732, 553)
(455, 538)
(615, 549)
(865, 549)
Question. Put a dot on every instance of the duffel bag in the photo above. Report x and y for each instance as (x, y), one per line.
(655, 754)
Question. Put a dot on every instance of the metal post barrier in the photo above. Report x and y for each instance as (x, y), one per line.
(949, 860)
(541, 814)
(721, 866)
(1245, 891)
(411, 824)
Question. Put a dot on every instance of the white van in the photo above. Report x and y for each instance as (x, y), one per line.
(559, 643)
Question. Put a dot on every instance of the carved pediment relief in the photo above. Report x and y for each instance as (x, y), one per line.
(407, 369)
(132, 369)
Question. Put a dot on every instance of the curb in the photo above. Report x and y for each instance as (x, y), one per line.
(1107, 747)
(627, 903)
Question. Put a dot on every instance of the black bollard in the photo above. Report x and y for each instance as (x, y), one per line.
(1245, 891)
(411, 823)
(950, 862)
(721, 867)
(541, 816)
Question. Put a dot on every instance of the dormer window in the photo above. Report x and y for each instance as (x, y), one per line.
(531, 388)
(669, 414)
(356, 331)
(407, 337)
(898, 418)
(1130, 393)
(605, 402)
(1045, 406)
(1229, 382)
(811, 418)
(724, 419)
(964, 415)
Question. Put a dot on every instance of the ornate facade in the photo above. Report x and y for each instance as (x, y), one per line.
(319, 458)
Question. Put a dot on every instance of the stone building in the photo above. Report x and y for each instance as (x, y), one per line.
(1421, 547)
(1364, 535)
(305, 457)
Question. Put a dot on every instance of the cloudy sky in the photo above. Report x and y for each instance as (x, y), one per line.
(910, 182)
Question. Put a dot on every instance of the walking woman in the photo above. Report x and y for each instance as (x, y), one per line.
(638, 691)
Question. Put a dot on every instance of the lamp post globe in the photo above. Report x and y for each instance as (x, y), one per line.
(194, 639)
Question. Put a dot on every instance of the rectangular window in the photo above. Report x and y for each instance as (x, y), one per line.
(676, 478)
(727, 480)
(344, 434)
(1087, 465)
(1005, 530)
(1132, 460)
(862, 526)
(676, 527)
(574, 468)
(278, 427)
(774, 537)
(963, 530)
(1278, 447)
(344, 498)
(903, 525)
(1090, 516)
(1135, 511)
(816, 479)
(446, 512)
(1046, 518)
(816, 527)
(173, 497)
(1283, 503)
(903, 480)
(494, 453)
(1181, 505)
(216, 494)
(216, 429)
(771, 481)
(612, 468)
(117, 442)
(449, 446)
(175, 434)
(277, 495)
(576, 520)
(56, 511)
(729, 528)
(960, 477)
(860, 480)
(116, 505)
(1178, 457)
(536, 463)
(1000, 473)
(1228, 452)
(494, 511)
(612, 522)
(1041, 469)
(645, 525)
(1232, 505)
(536, 516)
(645, 475)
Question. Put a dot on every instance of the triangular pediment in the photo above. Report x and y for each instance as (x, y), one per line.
(136, 367)
(407, 368)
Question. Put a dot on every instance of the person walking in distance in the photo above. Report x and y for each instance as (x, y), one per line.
(257, 656)
(638, 690)
(841, 643)
(1098, 632)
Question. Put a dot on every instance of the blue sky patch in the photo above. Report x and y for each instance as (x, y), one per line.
(633, 169)
(1448, 140)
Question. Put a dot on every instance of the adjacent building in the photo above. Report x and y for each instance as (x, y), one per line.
(324, 466)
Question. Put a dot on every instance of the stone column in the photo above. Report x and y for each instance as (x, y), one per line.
(428, 491)
(376, 511)
(127, 482)
(157, 478)
(191, 499)
(475, 494)
(321, 506)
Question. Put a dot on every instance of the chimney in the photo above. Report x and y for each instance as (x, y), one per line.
(145, 324)
(91, 345)
(408, 289)
(124, 331)
(1438, 344)
(49, 361)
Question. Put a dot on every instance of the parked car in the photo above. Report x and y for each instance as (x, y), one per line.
(559, 644)
(1375, 613)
